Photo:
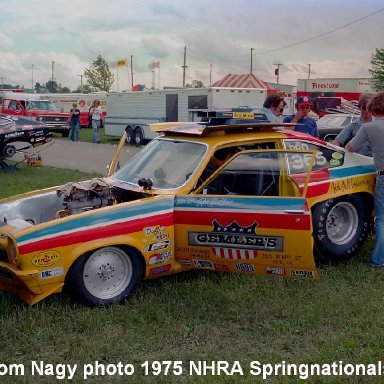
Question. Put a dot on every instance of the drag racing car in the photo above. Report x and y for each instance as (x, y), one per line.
(251, 198)
(18, 129)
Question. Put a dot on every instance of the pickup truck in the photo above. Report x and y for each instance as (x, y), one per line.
(38, 109)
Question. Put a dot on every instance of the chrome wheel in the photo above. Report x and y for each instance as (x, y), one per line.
(107, 273)
(342, 223)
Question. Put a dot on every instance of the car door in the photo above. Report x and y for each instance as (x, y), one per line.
(249, 217)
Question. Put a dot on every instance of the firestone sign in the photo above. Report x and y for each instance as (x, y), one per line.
(334, 87)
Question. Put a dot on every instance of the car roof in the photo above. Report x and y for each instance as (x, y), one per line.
(227, 133)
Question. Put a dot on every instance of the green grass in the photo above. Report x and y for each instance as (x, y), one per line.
(86, 136)
(203, 316)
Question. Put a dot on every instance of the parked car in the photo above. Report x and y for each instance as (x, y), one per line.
(20, 129)
(248, 198)
(331, 125)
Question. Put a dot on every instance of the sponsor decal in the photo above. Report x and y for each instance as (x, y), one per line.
(243, 267)
(275, 271)
(349, 184)
(186, 262)
(160, 257)
(156, 230)
(337, 155)
(50, 273)
(162, 269)
(221, 267)
(46, 258)
(235, 241)
(302, 273)
(157, 246)
(334, 163)
(203, 264)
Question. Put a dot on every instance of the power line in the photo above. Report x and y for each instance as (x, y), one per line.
(321, 34)
(298, 42)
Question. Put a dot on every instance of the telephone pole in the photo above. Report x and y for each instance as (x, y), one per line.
(53, 71)
(131, 71)
(277, 72)
(81, 83)
(2, 78)
(184, 66)
(309, 71)
(252, 49)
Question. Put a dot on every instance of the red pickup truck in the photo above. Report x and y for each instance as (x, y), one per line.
(38, 109)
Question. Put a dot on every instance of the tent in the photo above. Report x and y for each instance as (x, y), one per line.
(248, 80)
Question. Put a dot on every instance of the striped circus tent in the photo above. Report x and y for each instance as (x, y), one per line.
(248, 80)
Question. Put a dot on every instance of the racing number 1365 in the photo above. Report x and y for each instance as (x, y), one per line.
(164, 367)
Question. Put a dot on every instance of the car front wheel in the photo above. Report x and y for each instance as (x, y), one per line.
(106, 276)
(340, 227)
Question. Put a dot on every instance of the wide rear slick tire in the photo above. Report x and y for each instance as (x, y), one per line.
(106, 276)
(340, 228)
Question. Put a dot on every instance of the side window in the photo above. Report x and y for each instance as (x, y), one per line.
(222, 155)
(248, 173)
(325, 157)
(14, 105)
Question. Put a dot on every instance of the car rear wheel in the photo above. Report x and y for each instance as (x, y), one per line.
(340, 227)
(108, 275)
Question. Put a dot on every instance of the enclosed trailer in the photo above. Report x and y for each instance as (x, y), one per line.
(134, 111)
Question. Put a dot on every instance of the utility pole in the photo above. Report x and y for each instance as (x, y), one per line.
(277, 72)
(309, 71)
(252, 49)
(32, 77)
(2, 78)
(53, 71)
(184, 66)
(210, 75)
(81, 83)
(131, 71)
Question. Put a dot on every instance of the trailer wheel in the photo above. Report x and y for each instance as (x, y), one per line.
(129, 131)
(138, 136)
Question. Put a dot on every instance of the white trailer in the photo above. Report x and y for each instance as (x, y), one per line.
(134, 111)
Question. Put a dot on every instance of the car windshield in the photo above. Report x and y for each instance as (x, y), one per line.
(6, 125)
(335, 121)
(41, 105)
(169, 163)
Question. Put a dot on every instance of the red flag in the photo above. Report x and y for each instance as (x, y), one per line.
(155, 64)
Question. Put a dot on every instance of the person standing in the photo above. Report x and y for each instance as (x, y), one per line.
(74, 122)
(273, 108)
(304, 123)
(350, 130)
(373, 133)
(97, 117)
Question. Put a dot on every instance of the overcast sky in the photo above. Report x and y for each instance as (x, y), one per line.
(217, 34)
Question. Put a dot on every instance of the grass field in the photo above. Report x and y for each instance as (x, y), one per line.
(86, 136)
(199, 316)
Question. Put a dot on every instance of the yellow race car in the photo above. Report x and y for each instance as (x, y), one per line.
(249, 198)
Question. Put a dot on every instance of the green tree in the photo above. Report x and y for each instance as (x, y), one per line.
(98, 75)
(86, 88)
(64, 90)
(52, 86)
(377, 71)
